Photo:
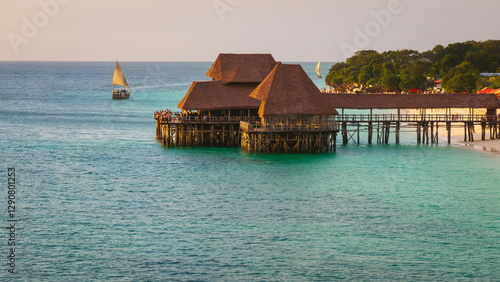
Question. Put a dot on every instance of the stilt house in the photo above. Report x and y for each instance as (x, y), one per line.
(295, 115)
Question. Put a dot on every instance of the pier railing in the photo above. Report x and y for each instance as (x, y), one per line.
(414, 118)
(205, 119)
(318, 127)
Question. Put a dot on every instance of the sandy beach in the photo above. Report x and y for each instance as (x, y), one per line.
(457, 133)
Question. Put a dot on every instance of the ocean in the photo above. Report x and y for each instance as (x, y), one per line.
(97, 197)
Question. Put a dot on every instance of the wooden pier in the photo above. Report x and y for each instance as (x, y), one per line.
(426, 126)
(252, 136)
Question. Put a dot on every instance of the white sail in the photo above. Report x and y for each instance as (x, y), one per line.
(318, 69)
(119, 78)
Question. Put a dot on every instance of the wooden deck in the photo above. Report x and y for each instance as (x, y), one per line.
(253, 136)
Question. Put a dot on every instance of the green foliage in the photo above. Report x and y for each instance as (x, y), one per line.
(461, 78)
(408, 69)
(462, 83)
(495, 82)
(491, 82)
(390, 82)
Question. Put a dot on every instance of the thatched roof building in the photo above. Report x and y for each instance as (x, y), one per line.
(287, 91)
(234, 77)
(413, 101)
(241, 68)
(215, 95)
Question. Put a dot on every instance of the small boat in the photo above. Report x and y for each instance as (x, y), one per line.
(119, 79)
(318, 69)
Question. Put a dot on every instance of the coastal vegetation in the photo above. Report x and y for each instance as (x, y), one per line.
(458, 65)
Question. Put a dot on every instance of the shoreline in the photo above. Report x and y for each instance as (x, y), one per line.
(489, 146)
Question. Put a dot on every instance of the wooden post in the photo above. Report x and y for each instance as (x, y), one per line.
(387, 132)
(212, 135)
(370, 132)
(157, 128)
(471, 129)
(483, 130)
(465, 131)
(397, 131)
(437, 132)
(448, 128)
(418, 133)
(335, 142)
(164, 137)
(432, 132)
(426, 131)
(169, 137)
(358, 133)
(378, 134)
(344, 132)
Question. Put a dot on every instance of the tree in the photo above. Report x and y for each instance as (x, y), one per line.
(390, 82)
(407, 69)
(462, 78)
(462, 83)
(411, 80)
(365, 75)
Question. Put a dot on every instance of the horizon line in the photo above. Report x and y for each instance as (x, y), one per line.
(135, 61)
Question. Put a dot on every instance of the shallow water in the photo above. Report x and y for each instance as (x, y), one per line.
(99, 198)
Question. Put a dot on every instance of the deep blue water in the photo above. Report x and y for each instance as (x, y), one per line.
(98, 198)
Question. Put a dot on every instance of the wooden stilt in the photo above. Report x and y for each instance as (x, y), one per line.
(344, 132)
(437, 132)
(465, 131)
(483, 130)
(432, 133)
(387, 132)
(448, 128)
(397, 132)
(370, 132)
(358, 134)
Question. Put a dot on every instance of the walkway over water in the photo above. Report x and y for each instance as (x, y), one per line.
(351, 124)
(196, 130)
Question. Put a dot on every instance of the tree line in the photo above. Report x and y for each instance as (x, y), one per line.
(458, 65)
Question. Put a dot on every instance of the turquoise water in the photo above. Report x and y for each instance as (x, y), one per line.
(98, 198)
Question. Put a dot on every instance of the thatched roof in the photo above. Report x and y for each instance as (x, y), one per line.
(215, 95)
(288, 90)
(241, 68)
(413, 101)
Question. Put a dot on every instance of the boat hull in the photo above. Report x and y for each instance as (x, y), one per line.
(121, 96)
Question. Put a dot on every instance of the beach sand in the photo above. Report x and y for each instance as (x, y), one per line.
(488, 146)
(457, 133)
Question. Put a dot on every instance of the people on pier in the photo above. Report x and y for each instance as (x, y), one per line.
(163, 114)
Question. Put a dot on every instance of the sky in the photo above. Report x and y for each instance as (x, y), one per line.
(198, 30)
